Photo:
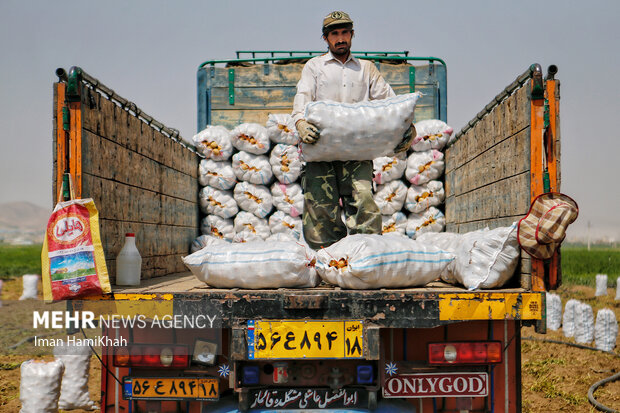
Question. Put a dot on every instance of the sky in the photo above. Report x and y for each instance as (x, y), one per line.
(148, 51)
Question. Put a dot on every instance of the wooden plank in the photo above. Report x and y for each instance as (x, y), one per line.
(152, 267)
(116, 200)
(492, 223)
(289, 74)
(232, 118)
(59, 140)
(507, 119)
(503, 160)
(107, 160)
(503, 198)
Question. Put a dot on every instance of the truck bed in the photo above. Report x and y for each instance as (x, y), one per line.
(435, 304)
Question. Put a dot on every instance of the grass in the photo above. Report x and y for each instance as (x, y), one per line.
(580, 266)
(17, 260)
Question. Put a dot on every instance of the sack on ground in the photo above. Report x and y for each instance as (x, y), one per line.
(390, 197)
(568, 318)
(288, 198)
(217, 202)
(250, 137)
(281, 222)
(285, 163)
(39, 386)
(423, 167)
(218, 227)
(252, 168)
(30, 287)
(204, 241)
(389, 168)
(365, 261)
(601, 285)
(74, 388)
(247, 221)
(281, 129)
(219, 175)
(397, 222)
(422, 197)
(214, 142)
(554, 311)
(255, 265)
(372, 128)
(431, 220)
(431, 134)
(256, 199)
(72, 259)
(605, 330)
(584, 324)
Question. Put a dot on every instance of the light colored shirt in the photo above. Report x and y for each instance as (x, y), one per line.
(327, 78)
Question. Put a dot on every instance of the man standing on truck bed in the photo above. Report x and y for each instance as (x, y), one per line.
(340, 77)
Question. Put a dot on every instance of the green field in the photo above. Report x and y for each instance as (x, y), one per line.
(580, 266)
(17, 260)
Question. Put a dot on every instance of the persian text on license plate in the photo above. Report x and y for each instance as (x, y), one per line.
(277, 339)
(168, 388)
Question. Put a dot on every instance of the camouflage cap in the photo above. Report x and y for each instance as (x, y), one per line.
(336, 17)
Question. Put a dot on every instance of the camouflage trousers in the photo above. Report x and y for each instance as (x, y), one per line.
(325, 184)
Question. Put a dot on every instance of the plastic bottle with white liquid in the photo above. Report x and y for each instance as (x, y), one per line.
(128, 262)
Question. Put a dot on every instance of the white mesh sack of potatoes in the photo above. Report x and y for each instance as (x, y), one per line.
(214, 142)
(250, 137)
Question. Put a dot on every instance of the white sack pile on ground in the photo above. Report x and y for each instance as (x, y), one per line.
(568, 318)
(601, 285)
(605, 330)
(554, 311)
(74, 389)
(372, 129)
(39, 387)
(584, 324)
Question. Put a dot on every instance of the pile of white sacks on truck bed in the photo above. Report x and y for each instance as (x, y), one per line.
(251, 194)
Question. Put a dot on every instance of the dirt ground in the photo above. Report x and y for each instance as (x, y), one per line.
(556, 377)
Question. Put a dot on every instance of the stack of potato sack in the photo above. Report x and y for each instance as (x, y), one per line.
(409, 188)
(250, 178)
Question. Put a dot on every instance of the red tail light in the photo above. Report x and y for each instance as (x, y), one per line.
(162, 356)
(481, 352)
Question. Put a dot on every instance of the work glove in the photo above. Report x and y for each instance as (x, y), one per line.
(308, 133)
(407, 140)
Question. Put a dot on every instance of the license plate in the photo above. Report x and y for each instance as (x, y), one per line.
(436, 385)
(277, 339)
(308, 399)
(168, 388)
